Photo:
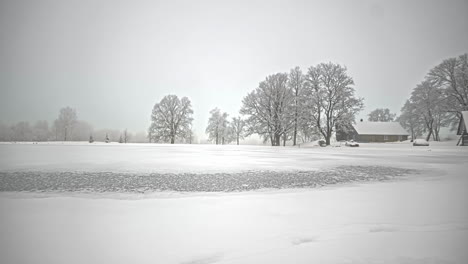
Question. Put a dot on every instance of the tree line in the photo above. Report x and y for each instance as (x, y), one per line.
(293, 106)
(66, 127)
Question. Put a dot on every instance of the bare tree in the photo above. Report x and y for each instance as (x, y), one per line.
(170, 119)
(238, 128)
(330, 98)
(269, 109)
(65, 123)
(381, 115)
(411, 120)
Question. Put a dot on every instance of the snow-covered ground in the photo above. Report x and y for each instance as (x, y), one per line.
(420, 217)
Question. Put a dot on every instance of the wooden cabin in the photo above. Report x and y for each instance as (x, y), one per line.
(365, 131)
(462, 129)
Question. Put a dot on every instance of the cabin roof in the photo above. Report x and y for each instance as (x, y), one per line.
(462, 124)
(380, 128)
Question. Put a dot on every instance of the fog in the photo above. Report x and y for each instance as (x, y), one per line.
(113, 60)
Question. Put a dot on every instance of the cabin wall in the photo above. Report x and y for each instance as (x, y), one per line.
(380, 138)
(464, 139)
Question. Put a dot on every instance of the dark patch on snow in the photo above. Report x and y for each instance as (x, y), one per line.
(98, 182)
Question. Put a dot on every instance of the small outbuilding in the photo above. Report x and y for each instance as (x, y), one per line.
(366, 131)
(462, 129)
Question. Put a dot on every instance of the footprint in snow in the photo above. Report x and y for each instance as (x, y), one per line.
(204, 260)
(382, 229)
(303, 240)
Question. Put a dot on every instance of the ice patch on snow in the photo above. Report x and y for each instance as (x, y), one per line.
(102, 182)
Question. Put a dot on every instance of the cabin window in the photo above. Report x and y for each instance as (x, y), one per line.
(385, 137)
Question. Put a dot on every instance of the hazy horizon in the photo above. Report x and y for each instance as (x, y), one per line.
(113, 60)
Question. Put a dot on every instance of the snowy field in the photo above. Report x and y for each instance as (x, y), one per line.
(200, 204)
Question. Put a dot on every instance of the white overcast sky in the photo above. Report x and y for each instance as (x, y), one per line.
(113, 60)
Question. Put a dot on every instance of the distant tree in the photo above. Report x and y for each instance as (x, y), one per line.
(107, 138)
(296, 84)
(190, 137)
(381, 115)
(170, 119)
(121, 139)
(139, 137)
(269, 109)
(22, 131)
(330, 99)
(41, 131)
(238, 128)
(6, 133)
(91, 140)
(81, 131)
(65, 123)
(217, 128)
(126, 136)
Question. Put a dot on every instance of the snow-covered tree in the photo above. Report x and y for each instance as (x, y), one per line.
(218, 127)
(238, 128)
(431, 105)
(381, 115)
(269, 109)
(170, 119)
(65, 123)
(330, 99)
(296, 84)
(411, 120)
(126, 136)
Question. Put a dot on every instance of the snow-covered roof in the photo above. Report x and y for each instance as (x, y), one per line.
(380, 128)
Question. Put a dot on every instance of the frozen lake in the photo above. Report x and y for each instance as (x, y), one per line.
(417, 215)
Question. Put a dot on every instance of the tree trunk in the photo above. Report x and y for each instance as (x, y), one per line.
(327, 139)
(295, 131)
(429, 135)
(237, 139)
(278, 140)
